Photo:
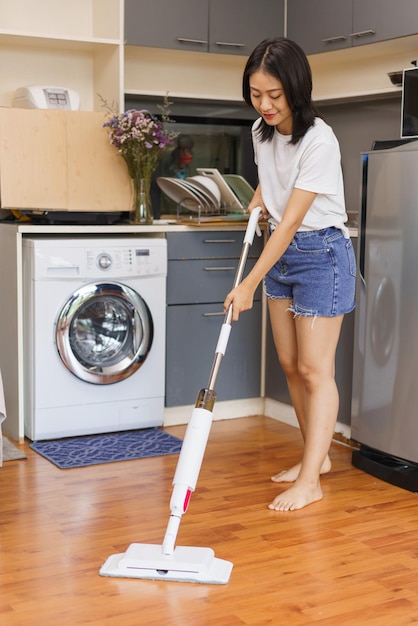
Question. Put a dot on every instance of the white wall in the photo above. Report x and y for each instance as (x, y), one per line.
(354, 72)
(180, 73)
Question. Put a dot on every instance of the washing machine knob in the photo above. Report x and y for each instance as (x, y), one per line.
(104, 261)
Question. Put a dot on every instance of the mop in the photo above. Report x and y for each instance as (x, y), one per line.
(183, 563)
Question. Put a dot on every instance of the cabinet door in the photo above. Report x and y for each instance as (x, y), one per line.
(167, 24)
(237, 26)
(320, 25)
(203, 280)
(217, 244)
(377, 20)
(98, 178)
(33, 157)
(60, 160)
(192, 334)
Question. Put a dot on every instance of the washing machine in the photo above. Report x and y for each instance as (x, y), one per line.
(93, 334)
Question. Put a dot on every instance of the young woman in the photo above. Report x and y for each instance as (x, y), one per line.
(308, 263)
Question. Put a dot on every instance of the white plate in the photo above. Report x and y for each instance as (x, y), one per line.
(210, 188)
(229, 199)
(241, 188)
(173, 188)
(201, 195)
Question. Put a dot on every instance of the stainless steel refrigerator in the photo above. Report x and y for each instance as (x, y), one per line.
(384, 416)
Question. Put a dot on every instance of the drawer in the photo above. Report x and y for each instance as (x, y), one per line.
(192, 335)
(210, 244)
(199, 281)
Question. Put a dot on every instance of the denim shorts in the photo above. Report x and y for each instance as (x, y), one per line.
(317, 272)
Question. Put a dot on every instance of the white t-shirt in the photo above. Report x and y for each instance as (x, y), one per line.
(314, 164)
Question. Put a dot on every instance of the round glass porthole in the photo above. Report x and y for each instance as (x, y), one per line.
(104, 332)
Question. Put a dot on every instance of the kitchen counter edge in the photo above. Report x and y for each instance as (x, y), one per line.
(157, 227)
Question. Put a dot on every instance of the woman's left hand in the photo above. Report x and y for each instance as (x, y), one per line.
(241, 298)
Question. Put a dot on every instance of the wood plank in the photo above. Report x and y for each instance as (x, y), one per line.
(33, 154)
(350, 559)
(98, 178)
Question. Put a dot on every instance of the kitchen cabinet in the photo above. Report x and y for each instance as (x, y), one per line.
(319, 25)
(220, 26)
(238, 26)
(77, 44)
(242, 364)
(201, 271)
(60, 160)
(324, 25)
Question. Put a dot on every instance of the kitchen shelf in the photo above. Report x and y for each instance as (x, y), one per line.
(361, 72)
(78, 18)
(35, 40)
(78, 45)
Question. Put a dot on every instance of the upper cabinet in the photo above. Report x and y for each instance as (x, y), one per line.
(238, 26)
(319, 25)
(77, 45)
(222, 26)
(325, 25)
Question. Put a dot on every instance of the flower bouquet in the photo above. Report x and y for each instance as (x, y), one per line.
(141, 140)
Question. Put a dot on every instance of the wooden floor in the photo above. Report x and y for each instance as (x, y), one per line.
(351, 559)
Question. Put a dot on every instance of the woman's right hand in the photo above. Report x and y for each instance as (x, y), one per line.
(257, 201)
(241, 298)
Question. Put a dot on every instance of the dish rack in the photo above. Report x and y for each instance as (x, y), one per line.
(191, 211)
(208, 196)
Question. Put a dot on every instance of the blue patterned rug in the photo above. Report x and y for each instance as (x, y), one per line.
(109, 448)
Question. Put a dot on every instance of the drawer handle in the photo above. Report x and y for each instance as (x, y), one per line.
(219, 241)
(363, 33)
(230, 44)
(214, 314)
(334, 39)
(219, 269)
(199, 42)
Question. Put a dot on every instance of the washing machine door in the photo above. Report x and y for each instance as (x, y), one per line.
(104, 332)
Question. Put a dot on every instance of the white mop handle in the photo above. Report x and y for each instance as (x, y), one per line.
(171, 534)
(187, 472)
(192, 450)
(223, 339)
(253, 225)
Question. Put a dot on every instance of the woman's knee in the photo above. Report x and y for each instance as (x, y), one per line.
(289, 366)
(313, 375)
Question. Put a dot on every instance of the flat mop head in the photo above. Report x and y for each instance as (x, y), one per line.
(186, 564)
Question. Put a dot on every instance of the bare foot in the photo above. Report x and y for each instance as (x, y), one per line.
(290, 475)
(297, 497)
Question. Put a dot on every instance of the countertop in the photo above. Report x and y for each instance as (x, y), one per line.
(158, 227)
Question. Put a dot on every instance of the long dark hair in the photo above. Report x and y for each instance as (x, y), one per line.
(286, 61)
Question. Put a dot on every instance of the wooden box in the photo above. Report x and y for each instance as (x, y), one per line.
(53, 160)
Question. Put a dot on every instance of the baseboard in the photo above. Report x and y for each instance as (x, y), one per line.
(280, 411)
(229, 409)
(285, 413)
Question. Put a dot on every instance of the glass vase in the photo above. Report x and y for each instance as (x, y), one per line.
(141, 208)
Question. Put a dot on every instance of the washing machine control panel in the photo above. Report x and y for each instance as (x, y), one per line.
(103, 258)
(140, 260)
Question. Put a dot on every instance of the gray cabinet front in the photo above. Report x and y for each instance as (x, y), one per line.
(222, 26)
(179, 24)
(377, 20)
(325, 25)
(238, 26)
(192, 334)
(319, 25)
(201, 271)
